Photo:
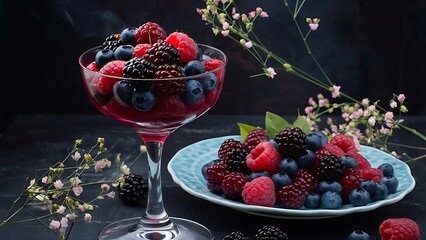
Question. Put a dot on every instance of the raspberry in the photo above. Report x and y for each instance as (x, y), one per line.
(291, 196)
(233, 185)
(260, 191)
(362, 161)
(112, 42)
(264, 157)
(291, 142)
(184, 44)
(399, 229)
(333, 149)
(150, 33)
(227, 146)
(305, 180)
(212, 64)
(350, 180)
(236, 236)
(93, 67)
(343, 142)
(134, 189)
(215, 174)
(235, 160)
(372, 173)
(113, 68)
(329, 168)
(270, 233)
(170, 86)
(255, 137)
(140, 49)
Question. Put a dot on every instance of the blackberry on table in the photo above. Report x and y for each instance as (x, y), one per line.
(236, 236)
(112, 42)
(134, 189)
(270, 233)
(292, 142)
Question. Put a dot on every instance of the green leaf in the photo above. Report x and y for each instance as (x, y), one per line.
(245, 129)
(301, 123)
(274, 124)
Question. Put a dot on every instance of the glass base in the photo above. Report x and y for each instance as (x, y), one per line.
(128, 229)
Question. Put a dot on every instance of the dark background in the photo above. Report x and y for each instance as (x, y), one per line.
(372, 48)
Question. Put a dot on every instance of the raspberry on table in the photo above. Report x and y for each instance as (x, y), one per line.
(344, 142)
(184, 44)
(260, 191)
(212, 64)
(255, 137)
(214, 175)
(372, 173)
(291, 196)
(333, 149)
(270, 233)
(113, 68)
(399, 229)
(233, 185)
(264, 157)
(227, 146)
(150, 32)
(292, 142)
(140, 49)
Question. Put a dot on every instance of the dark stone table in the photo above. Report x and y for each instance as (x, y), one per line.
(32, 142)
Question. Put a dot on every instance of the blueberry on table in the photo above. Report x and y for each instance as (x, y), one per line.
(193, 92)
(128, 36)
(331, 200)
(391, 183)
(123, 52)
(358, 235)
(143, 100)
(194, 67)
(103, 57)
(123, 93)
(359, 197)
(209, 82)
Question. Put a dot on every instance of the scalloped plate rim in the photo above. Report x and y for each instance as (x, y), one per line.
(276, 212)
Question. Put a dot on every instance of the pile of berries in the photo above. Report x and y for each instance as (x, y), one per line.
(148, 52)
(297, 170)
(263, 233)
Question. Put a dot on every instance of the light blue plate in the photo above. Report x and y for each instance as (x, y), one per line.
(185, 168)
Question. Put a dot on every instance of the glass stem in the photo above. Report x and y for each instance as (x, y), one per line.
(155, 214)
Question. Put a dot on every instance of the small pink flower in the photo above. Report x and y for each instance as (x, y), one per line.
(54, 224)
(87, 217)
(58, 184)
(329, 121)
(225, 33)
(105, 187)
(99, 165)
(76, 156)
(401, 98)
(372, 121)
(389, 115)
(44, 179)
(322, 102)
(334, 128)
(81, 208)
(236, 16)
(111, 194)
(75, 181)
(64, 222)
(77, 190)
(71, 216)
(384, 130)
(248, 44)
(107, 163)
(32, 182)
(371, 108)
(264, 14)
(345, 116)
(225, 25)
(61, 209)
(311, 101)
(252, 14)
(308, 110)
(393, 104)
(234, 10)
(365, 101)
(336, 91)
(313, 26)
(270, 72)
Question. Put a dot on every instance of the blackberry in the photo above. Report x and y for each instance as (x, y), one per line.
(168, 87)
(330, 168)
(227, 146)
(255, 137)
(236, 236)
(292, 142)
(214, 175)
(162, 53)
(112, 42)
(235, 160)
(134, 189)
(270, 233)
(139, 68)
(291, 196)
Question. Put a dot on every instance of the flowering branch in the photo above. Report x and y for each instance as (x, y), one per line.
(367, 123)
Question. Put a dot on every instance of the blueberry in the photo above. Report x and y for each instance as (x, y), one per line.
(207, 165)
(306, 161)
(194, 67)
(193, 92)
(288, 166)
(123, 52)
(209, 82)
(103, 57)
(314, 142)
(381, 192)
(143, 100)
(323, 137)
(313, 200)
(326, 186)
(350, 162)
(359, 197)
(257, 174)
(369, 185)
(391, 183)
(123, 92)
(358, 235)
(331, 200)
(387, 169)
(128, 36)
(280, 180)
(274, 144)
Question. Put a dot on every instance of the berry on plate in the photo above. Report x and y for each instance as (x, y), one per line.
(233, 185)
(291, 142)
(255, 137)
(343, 142)
(399, 229)
(260, 191)
(264, 157)
(227, 146)
(291, 196)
